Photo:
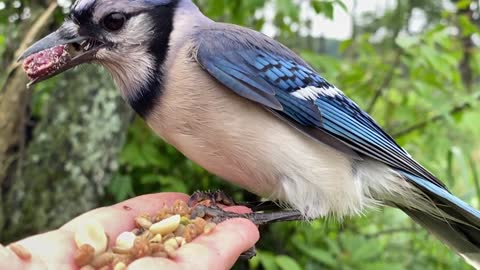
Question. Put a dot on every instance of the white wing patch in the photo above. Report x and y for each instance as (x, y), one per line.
(312, 92)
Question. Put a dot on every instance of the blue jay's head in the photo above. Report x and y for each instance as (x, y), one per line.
(128, 37)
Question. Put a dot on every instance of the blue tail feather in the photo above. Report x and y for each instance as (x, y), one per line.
(458, 224)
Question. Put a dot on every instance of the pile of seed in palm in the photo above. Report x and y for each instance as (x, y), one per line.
(158, 235)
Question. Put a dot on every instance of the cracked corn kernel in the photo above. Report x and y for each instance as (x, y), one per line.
(120, 266)
(141, 248)
(102, 260)
(84, 255)
(156, 239)
(209, 227)
(143, 222)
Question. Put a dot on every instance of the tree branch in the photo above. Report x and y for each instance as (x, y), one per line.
(390, 231)
(398, 53)
(436, 118)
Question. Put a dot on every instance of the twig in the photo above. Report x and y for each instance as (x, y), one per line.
(436, 118)
(390, 231)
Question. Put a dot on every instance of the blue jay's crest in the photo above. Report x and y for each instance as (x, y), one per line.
(87, 4)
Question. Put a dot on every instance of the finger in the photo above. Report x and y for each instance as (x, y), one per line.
(154, 263)
(52, 250)
(119, 218)
(221, 249)
(8, 260)
(238, 209)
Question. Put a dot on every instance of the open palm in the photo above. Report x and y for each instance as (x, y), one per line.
(218, 250)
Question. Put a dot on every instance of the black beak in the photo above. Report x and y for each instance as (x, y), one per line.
(84, 48)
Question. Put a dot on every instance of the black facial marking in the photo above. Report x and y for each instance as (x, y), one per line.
(81, 12)
(151, 90)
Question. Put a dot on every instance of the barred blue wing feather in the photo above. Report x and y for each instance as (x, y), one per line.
(266, 72)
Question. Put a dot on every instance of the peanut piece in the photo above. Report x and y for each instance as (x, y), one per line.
(93, 234)
(166, 226)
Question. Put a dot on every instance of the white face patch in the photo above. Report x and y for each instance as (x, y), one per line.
(130, 62)
(312, 92)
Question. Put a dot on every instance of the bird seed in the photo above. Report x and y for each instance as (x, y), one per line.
(158, 236)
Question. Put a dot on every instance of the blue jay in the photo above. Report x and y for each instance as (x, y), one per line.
(251, 111)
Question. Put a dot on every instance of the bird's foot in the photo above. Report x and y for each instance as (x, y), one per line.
(206, 205)
(210, 198)
(213, 198)
(217, 215)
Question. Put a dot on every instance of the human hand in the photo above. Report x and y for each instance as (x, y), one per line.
(218, 250)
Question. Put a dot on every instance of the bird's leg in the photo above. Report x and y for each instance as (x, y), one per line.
(205, 205)
(262, 206)
(218, 215)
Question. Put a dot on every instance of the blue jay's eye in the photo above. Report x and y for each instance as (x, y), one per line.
(114, 21)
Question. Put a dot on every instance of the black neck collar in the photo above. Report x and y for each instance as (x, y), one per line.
(151, 91)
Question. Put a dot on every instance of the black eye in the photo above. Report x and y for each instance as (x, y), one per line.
(114, 21)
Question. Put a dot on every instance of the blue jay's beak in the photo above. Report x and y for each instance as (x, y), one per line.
(58, 52)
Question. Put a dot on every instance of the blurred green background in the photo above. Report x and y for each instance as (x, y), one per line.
(70, 144)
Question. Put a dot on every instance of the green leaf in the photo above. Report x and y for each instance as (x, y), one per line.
(341, 4)
(463, 4)
(254, 263)
(319, 255)
(267, 260)
(121, 187)
(287, 263)
(367, 251)
(325, 8)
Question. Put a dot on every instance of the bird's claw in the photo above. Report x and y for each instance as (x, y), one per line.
(206, 204)
(210, 198)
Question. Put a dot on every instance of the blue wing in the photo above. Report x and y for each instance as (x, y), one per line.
(266, 72)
